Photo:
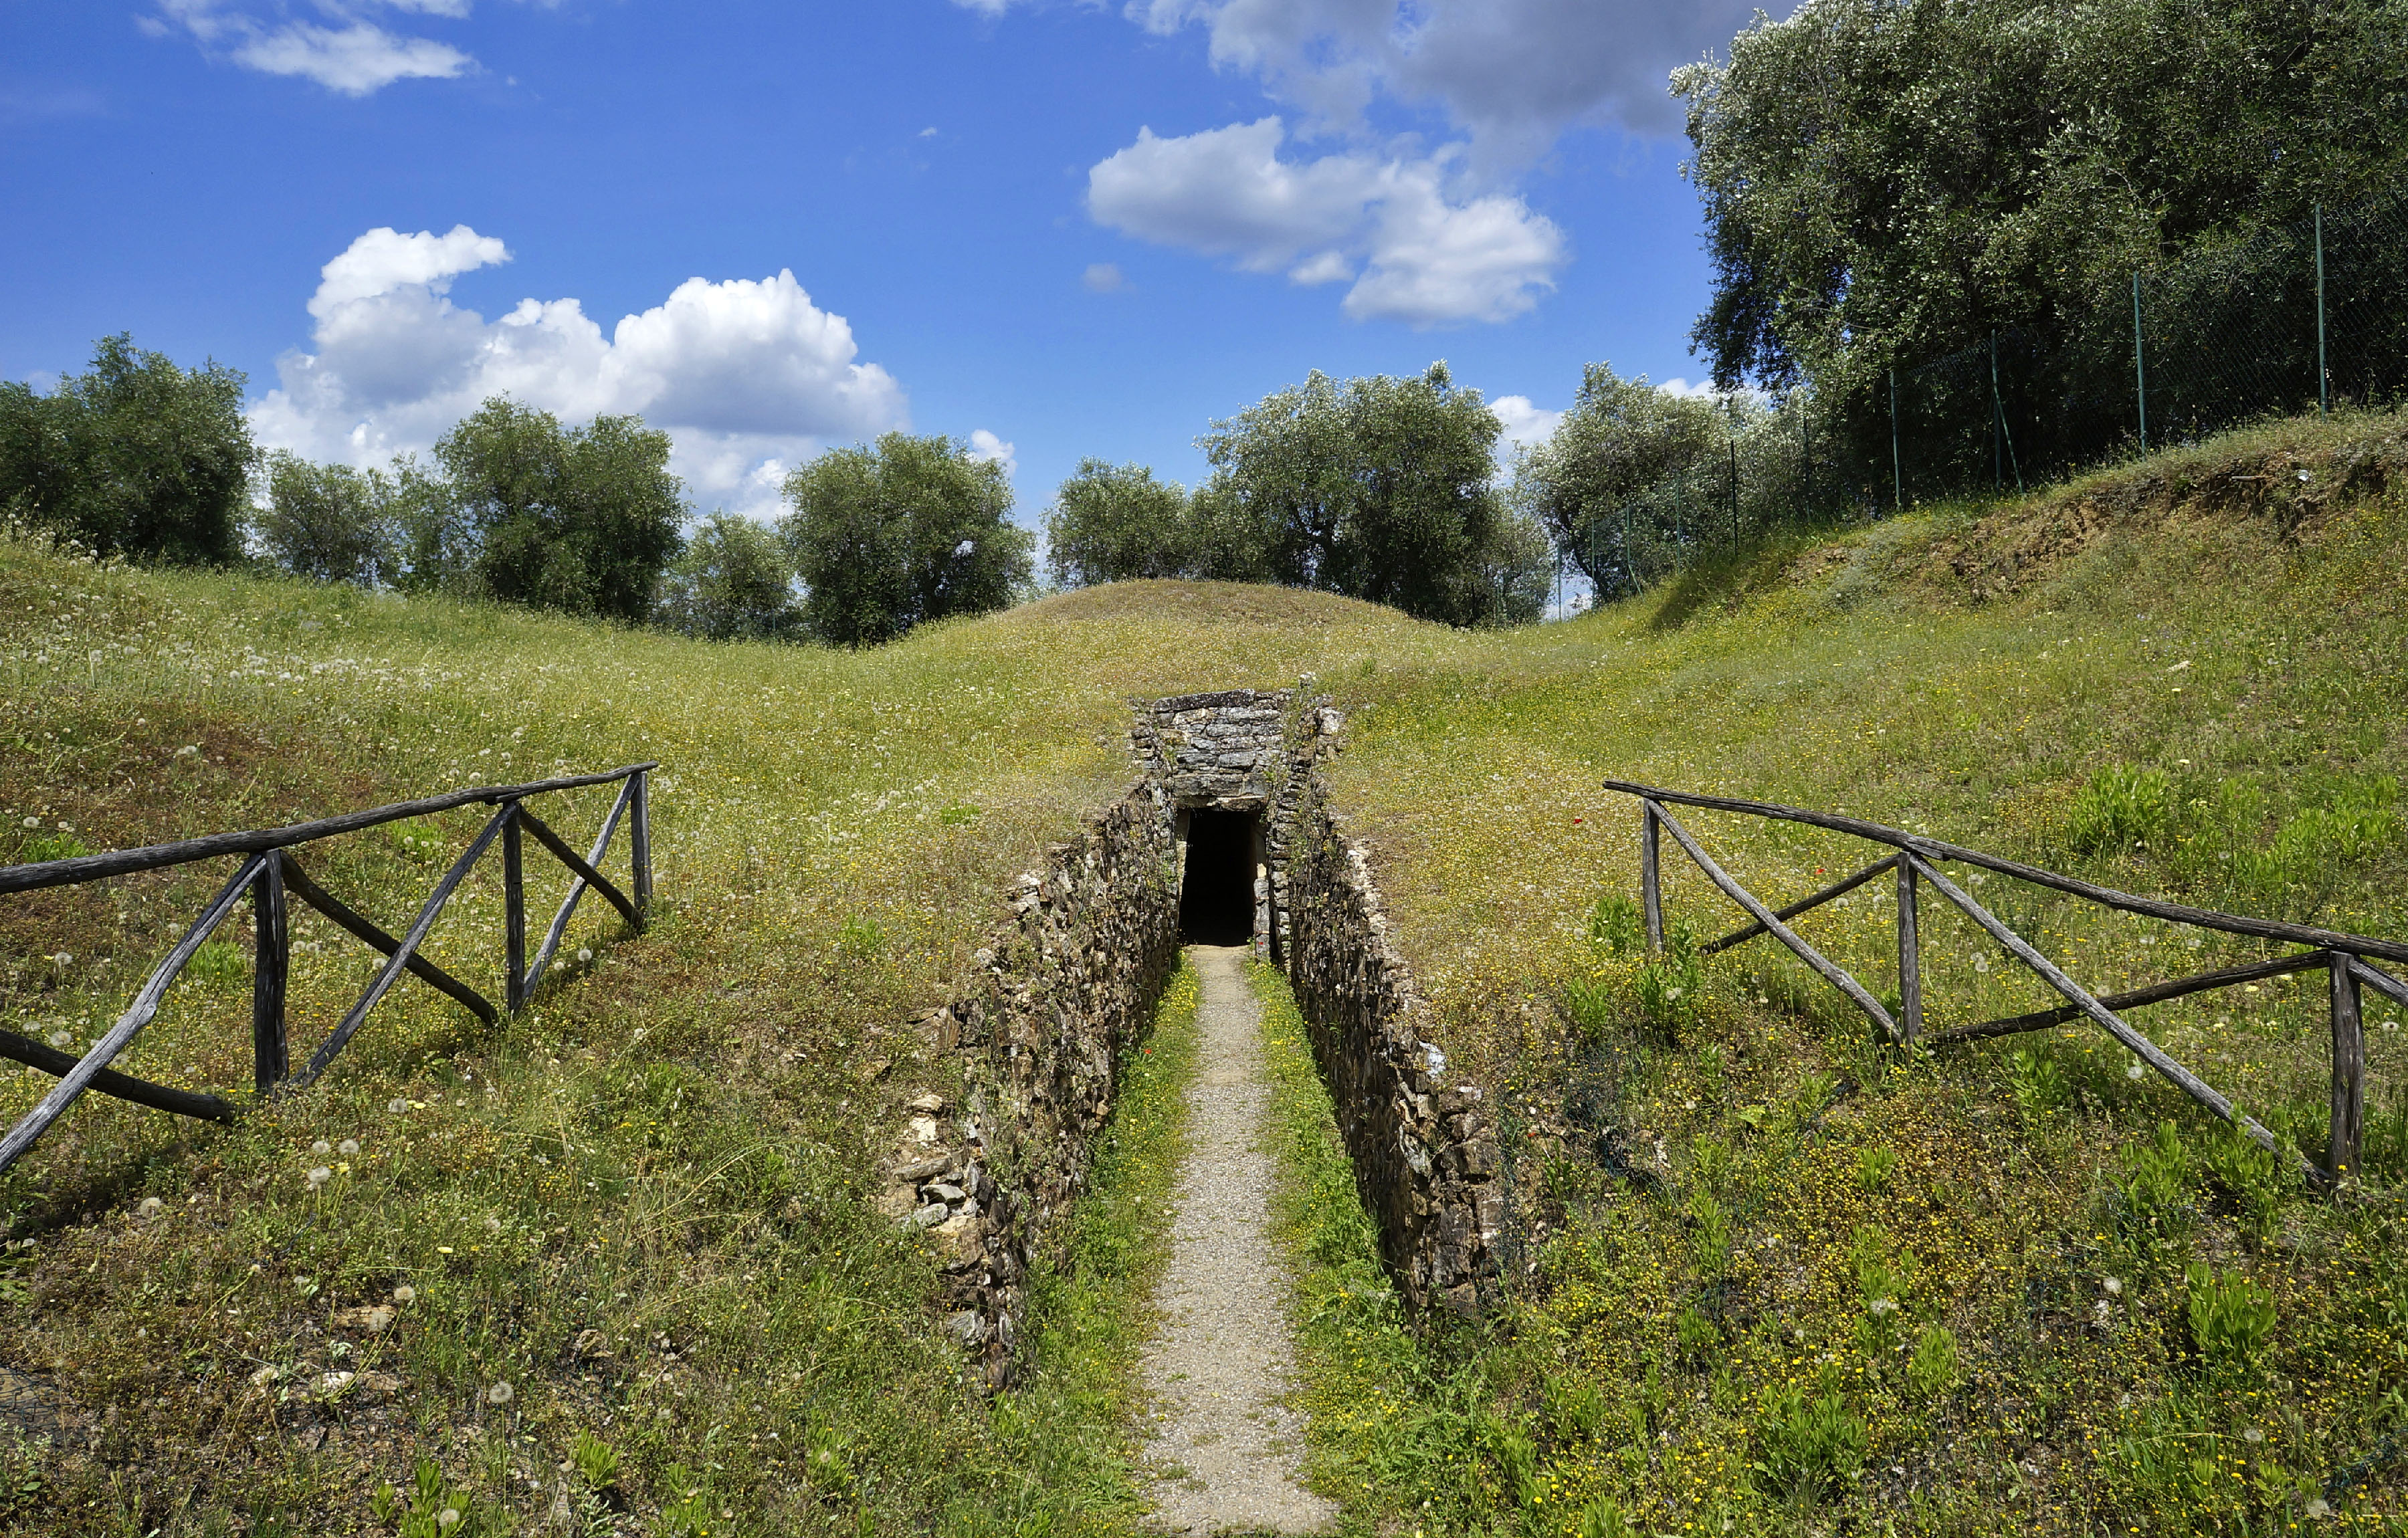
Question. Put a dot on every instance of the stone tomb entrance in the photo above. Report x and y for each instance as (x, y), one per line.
(1217, 891)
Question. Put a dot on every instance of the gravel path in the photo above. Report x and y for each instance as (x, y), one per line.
(1226, 1451)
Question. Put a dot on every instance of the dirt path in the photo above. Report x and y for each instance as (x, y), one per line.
(1230, 1453)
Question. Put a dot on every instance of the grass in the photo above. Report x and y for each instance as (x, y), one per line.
(1860, 1290)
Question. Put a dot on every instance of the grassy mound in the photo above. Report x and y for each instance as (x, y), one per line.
(1846, 1288)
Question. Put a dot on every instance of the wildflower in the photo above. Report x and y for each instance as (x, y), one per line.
(320, 1176)
(322, 1147)
(500, 1393)
(584, 953)
(2134, 1071)
(448, 1518)
(2115, 1287)
(348, 1147)
(61, 1038)
(150, 1207)
(2252, 1436)
(405, 1293)
(396, 1107)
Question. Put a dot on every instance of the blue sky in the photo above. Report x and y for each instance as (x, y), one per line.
(1062, 228)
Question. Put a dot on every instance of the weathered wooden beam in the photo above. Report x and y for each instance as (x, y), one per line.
(2013, 1025)
(366, 930)
(513, 910)
(1837, 889)
(576, 890)
(399, 960)
(108, 1081)
(2147, 1051)
(1831, 974)
(2348, 1127)
(146, 1004)
(582, 868)
(95, 867)
(1910, 952)
(1651, 877)
(1932, 850)
(271, 964)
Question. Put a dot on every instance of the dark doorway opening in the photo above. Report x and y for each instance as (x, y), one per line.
(1216, 900)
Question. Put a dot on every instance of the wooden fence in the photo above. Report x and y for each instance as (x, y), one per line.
(2347, 960)
(270, 877)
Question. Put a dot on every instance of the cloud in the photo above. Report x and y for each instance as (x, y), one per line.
(354, 57)
(1513, 74)
(1702, 390)
(1387, 223)
(747, 376)
(1104, 278)
(988, 448)
(1525, 423)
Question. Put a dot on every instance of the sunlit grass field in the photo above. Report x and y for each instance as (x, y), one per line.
(635, 1216)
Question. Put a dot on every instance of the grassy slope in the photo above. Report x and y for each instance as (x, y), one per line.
(666, 1153)
(2210, 614)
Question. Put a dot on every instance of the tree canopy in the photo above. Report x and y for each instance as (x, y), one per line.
(1620, 442)
(328, 522)
(894, 534)
(733, 582)
(580, 519)
(1381, 489)
(1886, 180)
(1116, 524)
(138, 457)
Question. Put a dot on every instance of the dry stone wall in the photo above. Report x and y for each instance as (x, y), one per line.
(989, 1161)
(1422, 1141)
(1031, 1049)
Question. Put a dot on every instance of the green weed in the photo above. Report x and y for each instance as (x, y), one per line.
(1808, 1448)
(2231, 1320)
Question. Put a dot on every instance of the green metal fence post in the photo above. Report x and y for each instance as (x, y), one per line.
(2324, 379)
(2140, 371)
(1997, 414)
(1897, 470)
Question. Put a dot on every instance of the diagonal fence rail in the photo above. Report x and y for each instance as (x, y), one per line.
(2348, 960)
(271, 877)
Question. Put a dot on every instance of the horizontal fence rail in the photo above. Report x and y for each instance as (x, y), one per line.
(270, 877)
(2347, 960)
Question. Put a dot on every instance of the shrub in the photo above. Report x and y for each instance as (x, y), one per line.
(1602, 1518)
(2231, 1320)
(1615, 925)
(1932, 1371)
(1809, 1448)
(2119, 809)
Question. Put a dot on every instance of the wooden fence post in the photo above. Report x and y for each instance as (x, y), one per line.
(2349, 1071)
(272, 961)
(639, 840)
(514, 909)
(1650, 888)
(1910, 956)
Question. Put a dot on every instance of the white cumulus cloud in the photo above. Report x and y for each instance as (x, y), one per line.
(1412, 249)
(748, 376)
(988, 448)
(1524, 423)
(353, 56)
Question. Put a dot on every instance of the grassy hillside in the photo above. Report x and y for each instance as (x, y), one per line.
(639, 1207)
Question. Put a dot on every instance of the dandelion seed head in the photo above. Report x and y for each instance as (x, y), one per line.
(500, 1393)
(320, 1176)
(396, 1107)
(405, 1293)
(348, 1147)
(150, 1208)
(584, 953)
(2134, 1071)
(2252, 1436)
(322, 1147)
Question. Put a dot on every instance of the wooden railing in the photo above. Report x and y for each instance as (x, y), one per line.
(270, 875)
(2347, 960)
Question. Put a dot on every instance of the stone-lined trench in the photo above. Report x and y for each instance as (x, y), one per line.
(1031, 1048)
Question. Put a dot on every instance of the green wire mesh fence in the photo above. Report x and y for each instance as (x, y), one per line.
(2310, 316)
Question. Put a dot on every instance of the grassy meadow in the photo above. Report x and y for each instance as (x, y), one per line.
(1769, 1277)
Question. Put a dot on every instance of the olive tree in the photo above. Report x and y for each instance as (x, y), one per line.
(580, 519)
(138, 457)
(1381, 489)
(1610, 472)
(892, 534)
(328, 522)
(733, 582)
(1115, 523)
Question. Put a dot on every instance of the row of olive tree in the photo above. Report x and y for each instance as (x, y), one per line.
(1381, 488)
